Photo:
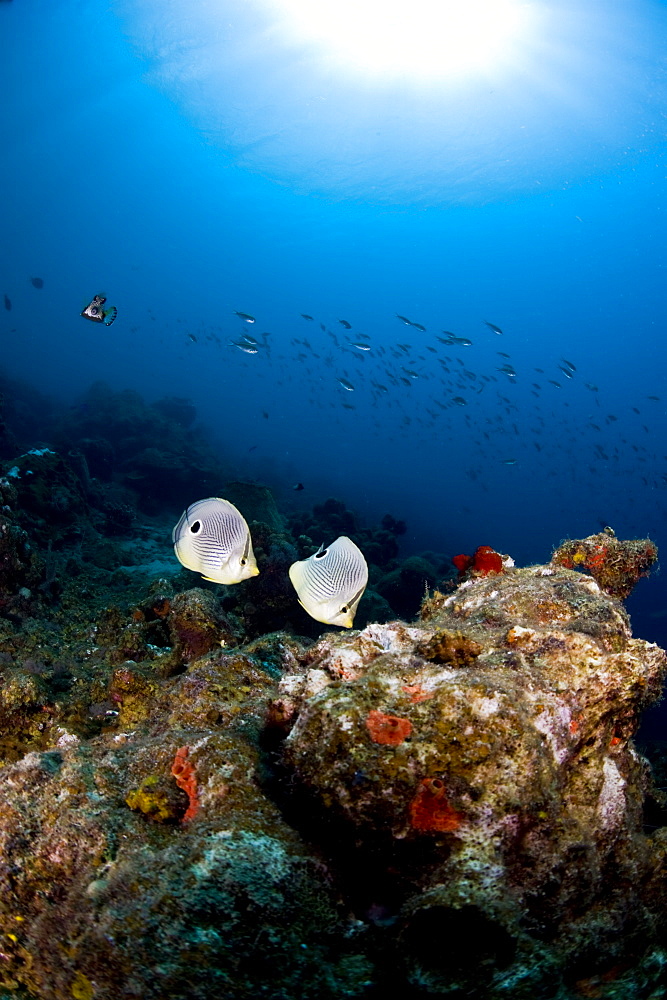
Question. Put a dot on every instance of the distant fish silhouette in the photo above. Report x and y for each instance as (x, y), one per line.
(8, 303)
(37, 283)
(492, 326)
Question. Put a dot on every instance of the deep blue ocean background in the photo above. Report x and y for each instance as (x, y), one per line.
(189, 163)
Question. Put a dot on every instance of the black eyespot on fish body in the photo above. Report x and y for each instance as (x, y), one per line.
(344, 610)
(321, 555)
(195, 527)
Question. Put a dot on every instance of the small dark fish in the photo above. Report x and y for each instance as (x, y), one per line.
(569, 364)
(298, 486)
(253, 447)
(557, 384)
(37, 283)
(265, 414)
(344, 322)
(419, 327)
(362, 347)
(593, 388)
(8, 303)
(453, 339)
(656, 399)
(192, 338)
(404, 319)
(246, 317)
(345, 384)
(97, 314)
(492, 326)
(305, 316)
(243, 346)
(566, 371)
(503, 355)
(459, 400)
(508, 461)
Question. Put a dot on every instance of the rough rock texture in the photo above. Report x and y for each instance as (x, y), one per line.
(614, 563)
(447, 808)
(506, 782)
(103, 898)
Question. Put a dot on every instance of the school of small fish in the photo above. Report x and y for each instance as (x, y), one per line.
(378, 368)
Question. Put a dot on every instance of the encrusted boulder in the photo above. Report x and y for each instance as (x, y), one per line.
(490, 750)
(197, 624)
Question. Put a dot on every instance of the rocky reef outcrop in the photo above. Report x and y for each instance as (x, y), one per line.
(451, 807)
(489, 748)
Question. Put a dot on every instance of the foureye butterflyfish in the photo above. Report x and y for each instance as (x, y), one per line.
(330, 583)
(213, 538)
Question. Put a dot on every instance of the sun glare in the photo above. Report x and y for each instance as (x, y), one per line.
(427, 39)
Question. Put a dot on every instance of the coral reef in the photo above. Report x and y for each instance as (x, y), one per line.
(616, 565)
(452, 807)
(194, 803)
(152, 450)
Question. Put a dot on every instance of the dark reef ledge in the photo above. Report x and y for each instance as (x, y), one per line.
(448, 808)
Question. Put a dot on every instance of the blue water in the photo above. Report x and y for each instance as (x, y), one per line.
(190, 163)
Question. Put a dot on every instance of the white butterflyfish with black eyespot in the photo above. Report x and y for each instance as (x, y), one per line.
(213, 538)
(331, 582)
